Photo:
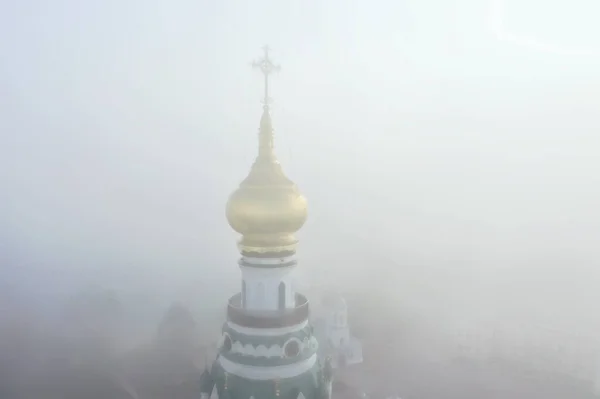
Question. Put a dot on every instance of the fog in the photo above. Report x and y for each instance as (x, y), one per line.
(448, 151)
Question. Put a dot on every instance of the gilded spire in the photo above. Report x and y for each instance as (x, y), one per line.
(265, 138)
(267, 208)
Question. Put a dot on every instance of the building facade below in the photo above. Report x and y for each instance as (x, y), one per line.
(333, 332)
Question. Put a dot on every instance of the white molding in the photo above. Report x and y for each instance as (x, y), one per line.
(273, 350)
(267, 332)
(267, 373)
(257, 351)
(267, 261)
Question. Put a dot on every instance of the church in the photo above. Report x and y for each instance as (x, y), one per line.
(267, 348)
(333, 332)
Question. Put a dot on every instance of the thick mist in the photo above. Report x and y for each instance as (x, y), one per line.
(448, 153)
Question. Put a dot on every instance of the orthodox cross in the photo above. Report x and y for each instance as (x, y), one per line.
(267, 67)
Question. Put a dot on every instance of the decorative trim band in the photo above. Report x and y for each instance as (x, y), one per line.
(273, 351)
(267, 251)
(253, 260)
(246, 262)
(267, 332)
(268, 319)
(267, 373)
(267, 255)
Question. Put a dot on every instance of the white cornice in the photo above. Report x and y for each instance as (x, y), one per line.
(267, 332)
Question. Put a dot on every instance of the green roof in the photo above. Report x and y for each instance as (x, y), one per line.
(313, 384)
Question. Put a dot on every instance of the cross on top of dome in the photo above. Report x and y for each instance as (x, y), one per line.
(267, 67)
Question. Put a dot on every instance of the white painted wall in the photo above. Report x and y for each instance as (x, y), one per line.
(339, 336)
(337, 325)
(262, 285)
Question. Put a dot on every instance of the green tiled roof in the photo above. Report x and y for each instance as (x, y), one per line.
(312, 384)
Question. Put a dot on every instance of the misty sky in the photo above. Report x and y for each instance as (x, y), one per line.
(460, 133)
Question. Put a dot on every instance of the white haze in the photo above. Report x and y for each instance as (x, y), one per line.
(446, 151)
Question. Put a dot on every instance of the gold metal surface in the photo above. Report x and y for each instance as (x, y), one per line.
(267, 209)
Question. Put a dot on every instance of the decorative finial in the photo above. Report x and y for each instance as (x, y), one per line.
(265, 140)
(267, 67)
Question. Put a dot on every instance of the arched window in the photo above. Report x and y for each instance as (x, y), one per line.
(281, 295)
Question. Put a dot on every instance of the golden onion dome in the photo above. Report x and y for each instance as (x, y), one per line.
(267, 208)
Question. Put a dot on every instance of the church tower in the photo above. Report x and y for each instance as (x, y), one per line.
(267, 348)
